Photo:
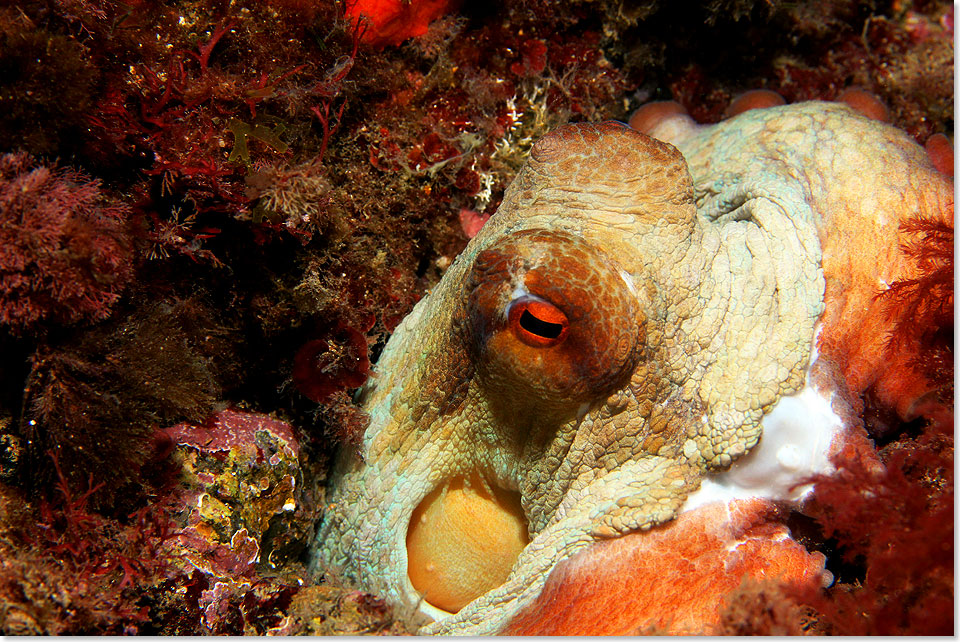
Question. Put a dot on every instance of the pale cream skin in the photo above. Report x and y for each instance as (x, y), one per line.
(691, 304)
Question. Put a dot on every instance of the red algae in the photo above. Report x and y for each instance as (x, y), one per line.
(65, 251)
(908, 583)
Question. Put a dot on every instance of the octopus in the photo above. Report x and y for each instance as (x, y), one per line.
(618, 337)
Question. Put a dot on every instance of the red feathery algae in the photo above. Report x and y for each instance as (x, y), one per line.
(65, 255)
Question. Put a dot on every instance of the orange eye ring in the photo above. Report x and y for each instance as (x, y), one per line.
(538, 323)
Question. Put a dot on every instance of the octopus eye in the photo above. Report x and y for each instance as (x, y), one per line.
(551, 321)
(537, 323)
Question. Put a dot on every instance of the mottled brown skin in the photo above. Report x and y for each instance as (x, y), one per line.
(681, 333)
(681, 310)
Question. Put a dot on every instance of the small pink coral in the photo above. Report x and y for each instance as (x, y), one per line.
(64, 253)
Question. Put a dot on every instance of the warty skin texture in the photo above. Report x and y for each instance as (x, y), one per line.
(860, 179)
(692, 304)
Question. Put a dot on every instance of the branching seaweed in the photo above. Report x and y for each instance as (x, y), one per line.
(923, 306)
(98, 403)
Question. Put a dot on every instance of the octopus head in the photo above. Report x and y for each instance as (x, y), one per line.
(550, 326)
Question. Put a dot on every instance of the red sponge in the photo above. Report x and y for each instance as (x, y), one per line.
(390, 22)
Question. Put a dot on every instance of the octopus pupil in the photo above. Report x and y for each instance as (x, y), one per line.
(539, 327)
